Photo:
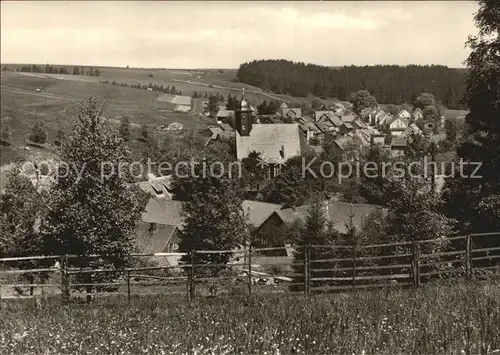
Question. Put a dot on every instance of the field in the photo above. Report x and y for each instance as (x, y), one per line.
(22, 105)
(437, 318)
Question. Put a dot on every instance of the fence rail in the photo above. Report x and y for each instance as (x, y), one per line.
(320, 269)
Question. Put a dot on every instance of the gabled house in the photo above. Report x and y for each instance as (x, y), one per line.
(412, 130)
(368, 112)
(275, 142)
(417, 114)
(291, 114)
(223, 113)
(349, 117)
(378, 118)
(339, 213)
(404, 114)
(283, 106)
(327, 119)
(398, 126)
(346, 127)
(159, 226)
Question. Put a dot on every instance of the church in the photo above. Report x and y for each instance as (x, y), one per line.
(276, 142)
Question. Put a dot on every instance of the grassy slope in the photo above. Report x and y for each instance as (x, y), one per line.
(435, 319)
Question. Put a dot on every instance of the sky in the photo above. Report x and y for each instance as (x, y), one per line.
(188, 35)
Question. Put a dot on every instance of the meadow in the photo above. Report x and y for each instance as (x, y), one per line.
(436, 318)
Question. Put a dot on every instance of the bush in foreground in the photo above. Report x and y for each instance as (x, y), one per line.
(434, 319)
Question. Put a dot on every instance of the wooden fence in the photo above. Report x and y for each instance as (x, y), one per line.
(317, 269)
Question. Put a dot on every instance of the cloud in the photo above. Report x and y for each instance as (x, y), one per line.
(334, 19)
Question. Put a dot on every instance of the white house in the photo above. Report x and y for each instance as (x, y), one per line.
(404, 114)
(417, 114)
(398, 126)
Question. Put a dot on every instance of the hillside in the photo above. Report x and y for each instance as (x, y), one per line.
(389, 83)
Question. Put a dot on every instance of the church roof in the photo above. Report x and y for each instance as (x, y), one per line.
(269, 140)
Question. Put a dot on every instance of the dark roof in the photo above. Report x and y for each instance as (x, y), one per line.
(257, 212)
(153, 239)
(338, 212)
(297, 111)
(163, 211)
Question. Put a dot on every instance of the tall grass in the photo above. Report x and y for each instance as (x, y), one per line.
(442, 318)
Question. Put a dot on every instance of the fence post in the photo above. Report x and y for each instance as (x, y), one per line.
(468, 251)
(416, 263)
(354, 266)
(306, 269)
(64, 279)
(249, 269)
(128, 287)
(191, 281)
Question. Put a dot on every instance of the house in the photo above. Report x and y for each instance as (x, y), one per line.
(417, 114)
(328, 120)
(257, 212)
(404, 114)
(275, 142)
(350, 146)
(159, 187)
(349, 117)
(339, 213)
(223, 114)
(283, 106)
(159, 226)
(398, 126)
(398, 146)
(378, 118)
(291, 114)
(174, 101)
(368, 112)
(365, 136)
(346, 127)
(358, 124)
(412, 130)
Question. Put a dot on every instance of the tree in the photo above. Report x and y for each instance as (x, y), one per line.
(214, 218)
(468, 199)
(415, 213)
(361, 100)
(60, 136)
(212, 105)
(39, 133)
(20, 207)
(145, 132)
(125, 128)
(451, 130)
(93, 208)
(317, 230)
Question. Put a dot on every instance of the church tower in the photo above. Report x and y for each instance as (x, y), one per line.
(243, 117)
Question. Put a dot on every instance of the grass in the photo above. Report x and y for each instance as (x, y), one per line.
(443, 318)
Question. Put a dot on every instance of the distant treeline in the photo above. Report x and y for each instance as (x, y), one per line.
(390, 84)
(52, 69)
(153, 87)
